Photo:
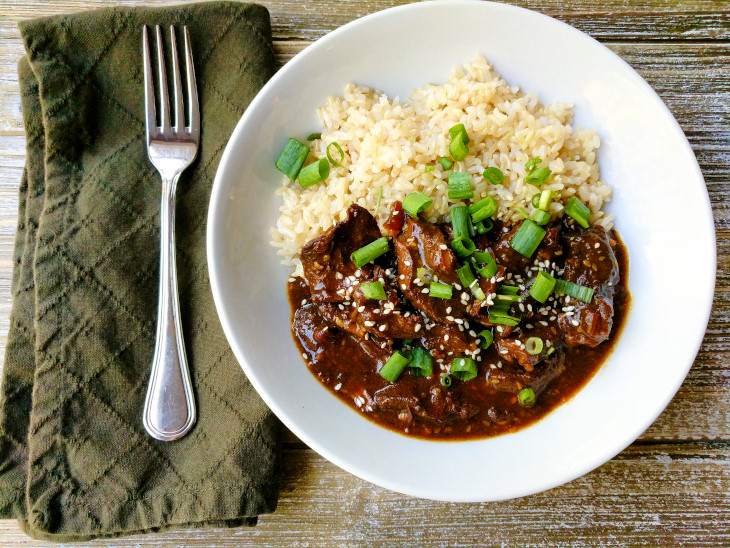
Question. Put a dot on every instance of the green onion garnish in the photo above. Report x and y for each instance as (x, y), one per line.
(314, 136)
(421, 363)
(314, 173)
(535, 200)
(541, 217)
(503, 319)
(440, 291)
(373, 290)
(460, 221)
(488, 338)
(546, 196)
(416, 202)
(429, 168)
(459, 129)
(469, 280)
(510, 290)
(542, 287)
(580, 292)
(494, 175)
(446, 163)
(490, 265)
(445, 380)
(538, 176)
(521, 211)
(526, 397)
(484, 226)
(527, 238)
(483, 209)
(395, 365)
(459, 186)
(499, 312)
(463, 247)
(425, 275)
(533, 346)
(370, 252)
(464, 369)
(380, 197)
(457, 147)
(339, 149)
(291, 158)
(532, 163)
(578, 210)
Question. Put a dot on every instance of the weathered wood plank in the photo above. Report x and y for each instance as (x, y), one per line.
(663, 495)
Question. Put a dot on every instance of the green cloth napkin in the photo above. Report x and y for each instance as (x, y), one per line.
(75, 461)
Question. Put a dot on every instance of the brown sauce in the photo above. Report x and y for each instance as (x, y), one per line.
(348, 372)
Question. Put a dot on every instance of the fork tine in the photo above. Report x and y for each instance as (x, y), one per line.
(179, 112)
(194, 108)
(164, 101)
(149, 87)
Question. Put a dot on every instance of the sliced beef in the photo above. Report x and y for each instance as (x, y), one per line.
(423, 245)
(326, 260)
(512, 378)
(550, 247)
(591, 262)
(447, 341)
(512, 349)
(435, 404)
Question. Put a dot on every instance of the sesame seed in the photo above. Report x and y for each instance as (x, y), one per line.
(406, 314)
(425, 290)
(444, 247)
(339, 275)
(472, 333)
(360, 308)
(402, 276)
(304, 301)
(383, 345)
(529, 326)
(575, 323)
(597, 245)
(552, 318)
(403, 287)
(450, 318)
(492, 366)
(448, 309)
(446, 337)
(543, 323)
(458, 287)
(304, 355)
(464, 296)
(381, 328)
(292, 279)
(338, 386)
(340, 307)
(368, 323)
(417, 328)
(407, 263)
(357, 273)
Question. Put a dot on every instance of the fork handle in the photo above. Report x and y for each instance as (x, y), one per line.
(169, 411)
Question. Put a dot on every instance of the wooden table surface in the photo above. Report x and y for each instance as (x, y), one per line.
(670, 487)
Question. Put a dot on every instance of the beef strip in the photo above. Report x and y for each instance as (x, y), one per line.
(326, 260)
(423, 245)
(512, 349)
(436, 404)
(590, 262)
(447, 341)
(513, 378)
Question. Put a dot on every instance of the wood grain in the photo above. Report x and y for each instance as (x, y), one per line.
(671, 487)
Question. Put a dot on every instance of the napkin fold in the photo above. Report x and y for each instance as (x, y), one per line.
(75, 460)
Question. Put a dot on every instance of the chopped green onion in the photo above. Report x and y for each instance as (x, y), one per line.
(522, 212)
(538, 176)
(421, 363)
(445, 380)
(535, 200)
(580, 292)
(291, 158)
(533, 346)
(416, 202)
(483, 209)
(459, 186)
(469, 280)
(339, 149)
(484, 226)
(578, 210)
(373, 290)
(532, 163)
(546, 196)
(490, 265)
(488, 339)
(526, 397)
(550, 351)
(446, 163)
(440, 291)
(527, 238)
(425, 275)
(494, 175)
(395, 365)
(314, 136)
(464, 369)
(499, 312)
(314, 173)
(458, 148)
(509, 290)
(542, 287)
(460, 221)
(459, 129)
(541, 217)
(463, 247)
(370, 252)
(380, 197)
(429, 168)
(503, 319)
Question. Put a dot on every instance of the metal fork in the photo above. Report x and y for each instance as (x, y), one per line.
(169, 411)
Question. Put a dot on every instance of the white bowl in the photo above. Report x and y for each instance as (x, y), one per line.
(662, 213)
